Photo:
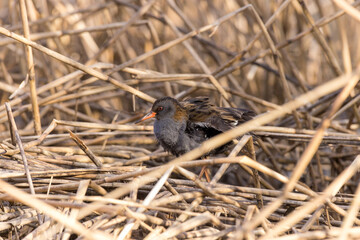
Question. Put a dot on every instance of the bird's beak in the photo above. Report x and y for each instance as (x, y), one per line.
(151, 114)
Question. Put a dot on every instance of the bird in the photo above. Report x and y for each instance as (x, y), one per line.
(182, 126)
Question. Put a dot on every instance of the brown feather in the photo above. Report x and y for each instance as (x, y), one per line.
(180, 114)
(200, 110)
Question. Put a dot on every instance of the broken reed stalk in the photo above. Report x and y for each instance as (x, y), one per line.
(86, 150)
(15, 134)
(31, 69)
(20, 145)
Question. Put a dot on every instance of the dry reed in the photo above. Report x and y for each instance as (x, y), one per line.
(76, 76)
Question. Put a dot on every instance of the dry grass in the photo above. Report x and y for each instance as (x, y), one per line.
(75, 77)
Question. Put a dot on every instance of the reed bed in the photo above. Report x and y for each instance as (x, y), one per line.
(75, 76)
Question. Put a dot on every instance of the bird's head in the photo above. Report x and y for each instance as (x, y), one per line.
(166, 107)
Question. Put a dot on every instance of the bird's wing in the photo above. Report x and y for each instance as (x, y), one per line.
(201, 112)
(236, 116)
(205, 114)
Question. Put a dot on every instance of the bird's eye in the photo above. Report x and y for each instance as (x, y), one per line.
(159, 109)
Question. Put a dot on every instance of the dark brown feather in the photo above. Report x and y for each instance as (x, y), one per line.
(202, 112)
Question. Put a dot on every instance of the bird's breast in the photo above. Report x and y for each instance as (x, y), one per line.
(172, 136)
(167, 132)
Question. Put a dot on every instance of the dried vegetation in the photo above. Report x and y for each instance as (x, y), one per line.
(75, 75)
